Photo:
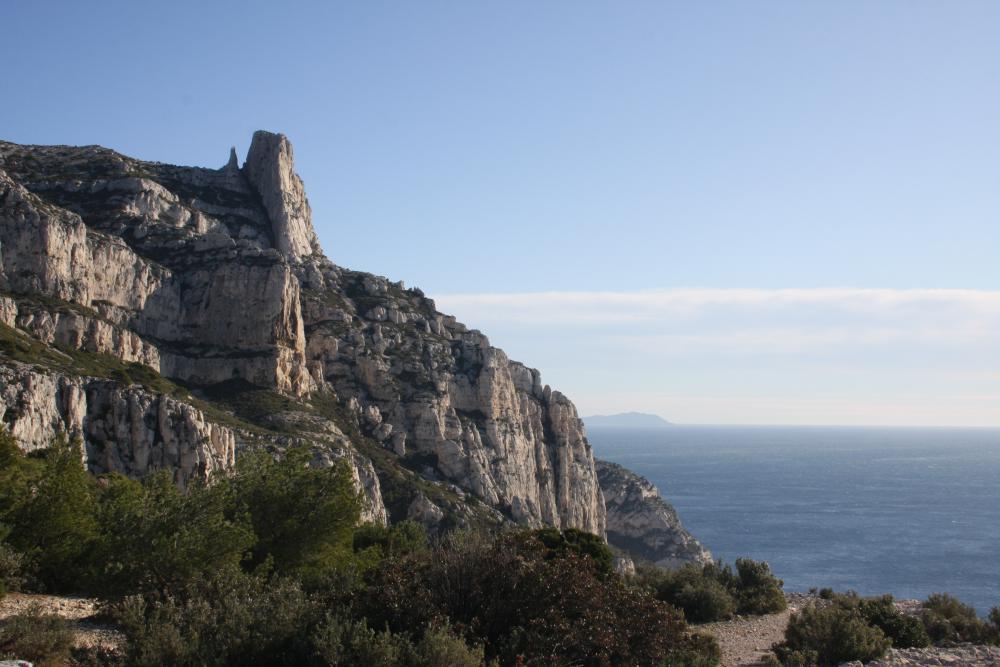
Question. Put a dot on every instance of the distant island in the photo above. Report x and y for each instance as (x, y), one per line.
(628, 419)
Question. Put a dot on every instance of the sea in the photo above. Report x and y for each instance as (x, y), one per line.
(906, 511)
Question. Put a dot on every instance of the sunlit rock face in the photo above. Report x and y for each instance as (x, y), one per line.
(214, 278)
(641, 523)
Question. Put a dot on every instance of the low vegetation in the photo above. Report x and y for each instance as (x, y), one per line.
(715, 592)
(856, 628)
(268, 566)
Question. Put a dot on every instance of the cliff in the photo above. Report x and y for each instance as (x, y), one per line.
(172, 317)
(642, 524)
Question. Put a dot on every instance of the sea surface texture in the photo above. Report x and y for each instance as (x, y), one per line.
(877, 510)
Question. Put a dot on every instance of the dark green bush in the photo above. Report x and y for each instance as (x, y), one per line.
(11, 568)
(230, 618)
(303, 517)
(514, 596)
(441, 646)
(947, 619)
(713, 592)
(705, 602)
(697, 591)
(42, 639)
(562, 542)
(342, 642)
(697, 650)
(399, 539)
(50, 510)
(155, 537)
(833, 634)
(904, 631)
(757, 590)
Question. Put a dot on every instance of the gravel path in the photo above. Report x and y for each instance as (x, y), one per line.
(746, 639)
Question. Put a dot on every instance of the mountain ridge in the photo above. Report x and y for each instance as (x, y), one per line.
(171, 317)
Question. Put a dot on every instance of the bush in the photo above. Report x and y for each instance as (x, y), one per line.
(156, 538)
(11, 563)
(562, 542)
(522, 601)
(696, 591)
(42, 639)
(713, 592)
(757, 590)
(303, 517)
(231, 618)
(830, 636)
(949, 620)
(441, 646)
(399, 539)
(904, 631)
(50, 510)
(342, 642)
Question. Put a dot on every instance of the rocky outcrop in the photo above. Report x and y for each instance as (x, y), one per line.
(214, 278)
(269, 168)
(125, 429)
(641, 523)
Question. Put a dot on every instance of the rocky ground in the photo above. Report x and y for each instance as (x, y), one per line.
(745, 641)
(80, 612)
(967, 655)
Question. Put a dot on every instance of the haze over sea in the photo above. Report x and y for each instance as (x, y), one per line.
(907, 511)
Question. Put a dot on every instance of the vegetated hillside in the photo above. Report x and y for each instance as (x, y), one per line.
(172, 317)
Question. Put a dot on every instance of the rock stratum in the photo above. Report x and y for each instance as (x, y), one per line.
(171, 317)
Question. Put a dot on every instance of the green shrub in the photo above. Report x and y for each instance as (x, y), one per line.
(50, 511)
(757, 590)
(713, 592)
(516, 597)
(11, 564)
(341, 642)
(441, 646)
(303, 517)
(42, 639)
(826, 593)
(697, 650)
(836, 634)
(947, 619)
(562, 542)
(399, 539)
(231, 618)
(904, 631)
(156, 537)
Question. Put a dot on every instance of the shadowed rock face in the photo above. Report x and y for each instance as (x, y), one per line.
(640, 522)
(214, 278)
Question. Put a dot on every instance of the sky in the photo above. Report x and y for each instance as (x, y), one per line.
(720, 212)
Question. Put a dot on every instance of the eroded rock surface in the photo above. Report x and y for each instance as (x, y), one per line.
(642, 523)
(214, 278)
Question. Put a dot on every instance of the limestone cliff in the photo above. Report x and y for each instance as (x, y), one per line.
(642, 524)
(173, 316)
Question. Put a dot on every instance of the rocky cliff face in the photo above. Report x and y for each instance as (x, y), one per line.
(641, 523)
(172, 316)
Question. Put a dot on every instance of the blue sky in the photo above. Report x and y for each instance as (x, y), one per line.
(578, 148)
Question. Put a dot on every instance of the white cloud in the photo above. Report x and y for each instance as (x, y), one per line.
(790, 355)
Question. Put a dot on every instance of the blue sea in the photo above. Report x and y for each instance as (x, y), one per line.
(907, 511)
